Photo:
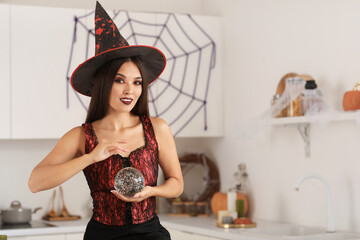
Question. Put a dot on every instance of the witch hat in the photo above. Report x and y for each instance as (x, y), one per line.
(110, 45)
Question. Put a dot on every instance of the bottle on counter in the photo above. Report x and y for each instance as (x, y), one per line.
(240, 188)
(241, 178)
(312, 99)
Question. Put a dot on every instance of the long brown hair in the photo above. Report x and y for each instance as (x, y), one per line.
(104, 80)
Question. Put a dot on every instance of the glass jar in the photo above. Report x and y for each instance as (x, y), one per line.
(177, 207)
(294, 88)
(281, 111)
(190, 208)
(201, 208)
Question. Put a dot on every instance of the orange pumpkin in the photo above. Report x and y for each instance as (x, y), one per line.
(219, 202)
(351, 99)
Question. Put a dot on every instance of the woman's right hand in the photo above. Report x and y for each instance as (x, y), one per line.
(106, 148)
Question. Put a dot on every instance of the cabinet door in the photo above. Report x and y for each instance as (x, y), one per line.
(180, 235)
(74, 236)
(5, 71)
(188, 94)
(46, 237)
(43, 103)
(40, 237)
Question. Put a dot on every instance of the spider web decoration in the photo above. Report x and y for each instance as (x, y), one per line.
(181, 91)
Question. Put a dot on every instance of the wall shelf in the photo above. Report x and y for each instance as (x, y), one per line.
(303, 124)
(338, 116)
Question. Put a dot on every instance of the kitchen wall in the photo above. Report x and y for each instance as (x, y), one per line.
(263, 40)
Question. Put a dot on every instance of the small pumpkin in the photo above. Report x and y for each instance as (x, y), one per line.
(351, 99)
(219, 202)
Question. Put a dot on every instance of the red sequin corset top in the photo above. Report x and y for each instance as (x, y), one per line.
(107, 208)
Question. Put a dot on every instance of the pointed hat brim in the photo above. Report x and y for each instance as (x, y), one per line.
(153, 60)
(111, 45)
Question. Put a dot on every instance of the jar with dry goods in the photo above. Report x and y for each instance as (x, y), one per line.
(294, 88)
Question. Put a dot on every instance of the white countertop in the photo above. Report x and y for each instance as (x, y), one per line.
(264, 230)
(61, 227)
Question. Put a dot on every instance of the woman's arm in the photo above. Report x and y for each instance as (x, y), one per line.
(68, 158)
(168, 160)
(169, 163)
(60, 164)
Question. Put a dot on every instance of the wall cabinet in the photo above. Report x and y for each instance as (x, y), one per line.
(5, 125)
(45, 45)
(43, 102)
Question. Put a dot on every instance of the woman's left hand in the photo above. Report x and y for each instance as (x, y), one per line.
(138, 197)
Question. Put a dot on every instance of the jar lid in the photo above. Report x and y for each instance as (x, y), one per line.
(295, 80)
(3, 237)
(310, 84)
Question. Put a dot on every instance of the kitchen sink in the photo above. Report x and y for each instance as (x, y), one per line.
(326, 236)
(291, 231)
(294, 232)
(285, 230)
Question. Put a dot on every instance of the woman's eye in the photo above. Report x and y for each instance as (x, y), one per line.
(119, 80)
(137, 82)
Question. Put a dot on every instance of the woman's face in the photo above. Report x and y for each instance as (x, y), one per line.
(126, 89)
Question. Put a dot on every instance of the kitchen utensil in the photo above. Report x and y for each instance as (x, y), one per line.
(17, 214)
(64, 214)
(52, 212)
(64, 211)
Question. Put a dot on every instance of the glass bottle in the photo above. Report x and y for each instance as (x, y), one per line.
(312, 100)
(240, 179)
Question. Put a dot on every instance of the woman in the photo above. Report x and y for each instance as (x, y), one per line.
(118, 133)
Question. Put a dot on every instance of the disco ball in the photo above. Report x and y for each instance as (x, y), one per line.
(129, 181)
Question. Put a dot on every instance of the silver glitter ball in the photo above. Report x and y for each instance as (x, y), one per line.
(129, 181)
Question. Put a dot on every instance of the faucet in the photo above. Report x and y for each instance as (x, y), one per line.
(330, 228)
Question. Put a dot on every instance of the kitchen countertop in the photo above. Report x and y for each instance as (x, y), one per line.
(265, 230)
(204, 226)
(196, 225)
(61, 227)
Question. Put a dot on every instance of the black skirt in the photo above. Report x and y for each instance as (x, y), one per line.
(150, 230)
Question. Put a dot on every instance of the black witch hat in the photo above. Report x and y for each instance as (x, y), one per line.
(111, 45)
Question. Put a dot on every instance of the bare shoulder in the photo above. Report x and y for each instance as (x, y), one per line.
(160, 125)
(162, 132)
(76, 132)
(75, 138)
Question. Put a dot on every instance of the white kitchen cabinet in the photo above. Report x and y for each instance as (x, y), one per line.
(5, 119)
(181, 235)
(68, 236)
(40, 237)
(188, 95)
(43, 103)
(74, 236)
